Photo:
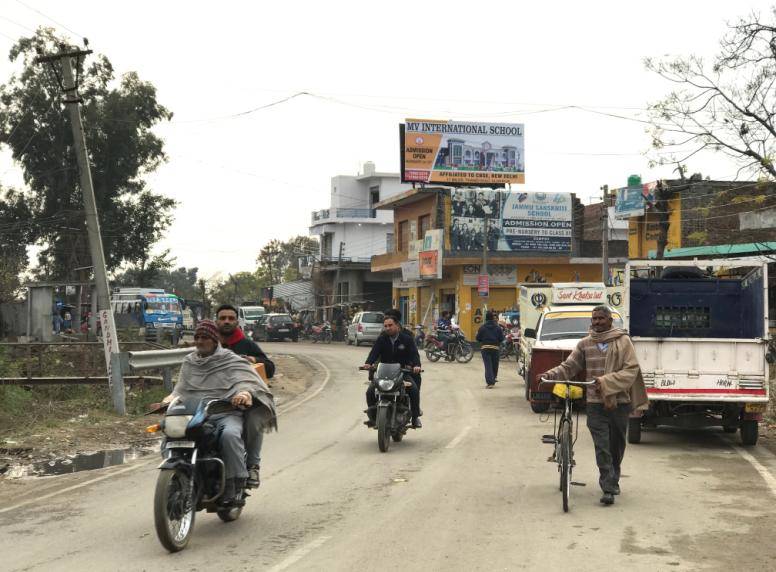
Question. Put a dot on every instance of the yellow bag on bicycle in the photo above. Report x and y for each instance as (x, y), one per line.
(559, 389)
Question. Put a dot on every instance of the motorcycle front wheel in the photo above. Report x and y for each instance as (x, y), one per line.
(383, 429)
(327, 338)
(464, 353)
(432, 355)
(173, 510)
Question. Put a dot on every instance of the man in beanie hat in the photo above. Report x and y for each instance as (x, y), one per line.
(213, 372)
(490, 336)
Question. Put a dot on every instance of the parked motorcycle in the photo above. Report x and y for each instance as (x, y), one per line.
(420, 336)
(394, 415)
(510, 344)
(192, 476)
(321, 333)
(458, 347)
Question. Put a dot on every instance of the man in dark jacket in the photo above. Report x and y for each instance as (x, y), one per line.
(233, 338)
(490, 335)
(394, 345)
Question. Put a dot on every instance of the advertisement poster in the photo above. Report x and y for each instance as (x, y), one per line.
(410, 271)
(458, 152)
(498, 274)
(632, 201)
(510, 221)
(430, 264)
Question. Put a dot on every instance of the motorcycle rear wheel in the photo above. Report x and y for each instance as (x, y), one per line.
(229, 514)
(169, 502)
(383, 430)
(327, 338)
(432, 355)
(464, 353)
(398, 436)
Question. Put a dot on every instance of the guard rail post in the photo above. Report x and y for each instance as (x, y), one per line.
(167, 378)
(117, 384)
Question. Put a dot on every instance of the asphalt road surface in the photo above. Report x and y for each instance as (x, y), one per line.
(472, 490)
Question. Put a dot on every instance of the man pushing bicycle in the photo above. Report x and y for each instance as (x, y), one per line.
(608, 357)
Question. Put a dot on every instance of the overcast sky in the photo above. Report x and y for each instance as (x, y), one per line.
(244, 180)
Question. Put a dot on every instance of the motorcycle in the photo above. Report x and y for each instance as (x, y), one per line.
(192, 476)
(510, 344)
(393, 416)
(459, 347)
(321, 333)
(420, 336)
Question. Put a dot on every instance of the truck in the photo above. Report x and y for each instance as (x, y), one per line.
(553, 318)
(152, 308)
(700, 331)
(248, 317)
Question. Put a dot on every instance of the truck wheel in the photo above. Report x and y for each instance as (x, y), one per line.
(634, 430)
(749, 432)
(729, 428)
(540, 406)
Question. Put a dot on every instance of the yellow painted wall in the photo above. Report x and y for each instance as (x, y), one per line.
(643, 231)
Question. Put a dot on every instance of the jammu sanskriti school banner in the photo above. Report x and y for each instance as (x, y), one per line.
(535, 222)
(456, 152)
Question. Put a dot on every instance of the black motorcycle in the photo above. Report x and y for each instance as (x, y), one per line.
(192, 476)
(393, 416)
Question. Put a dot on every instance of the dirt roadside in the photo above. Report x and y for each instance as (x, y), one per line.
(102, 439)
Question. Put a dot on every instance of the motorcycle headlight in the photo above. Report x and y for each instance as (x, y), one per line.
(385, 384)
(175, 426)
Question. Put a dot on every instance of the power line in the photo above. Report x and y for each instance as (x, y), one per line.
(49, 18)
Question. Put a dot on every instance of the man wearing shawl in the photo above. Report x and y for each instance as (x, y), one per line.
(608, 357)
(212, 372)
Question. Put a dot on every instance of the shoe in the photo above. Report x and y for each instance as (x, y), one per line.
(489, 386)
(616, 490)
(416, 424)
(230, 491)
(607, 499)
(369, 423)
(253, 481)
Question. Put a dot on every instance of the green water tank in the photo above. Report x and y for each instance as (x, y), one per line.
(634, 181)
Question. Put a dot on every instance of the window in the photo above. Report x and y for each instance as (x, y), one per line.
(374, 196)
(404, 235)
(682, 318)
(424, 224)
(389, 244)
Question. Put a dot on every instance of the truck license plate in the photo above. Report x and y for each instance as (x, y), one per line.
(755, 407)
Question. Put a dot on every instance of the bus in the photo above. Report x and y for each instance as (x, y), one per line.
(152, 307)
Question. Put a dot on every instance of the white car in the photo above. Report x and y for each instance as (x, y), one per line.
(365, 327)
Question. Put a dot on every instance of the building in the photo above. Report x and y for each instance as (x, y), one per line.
(422, 296)
(350, 232)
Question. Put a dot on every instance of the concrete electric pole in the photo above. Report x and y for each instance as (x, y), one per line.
(605, 237)
(109, 337)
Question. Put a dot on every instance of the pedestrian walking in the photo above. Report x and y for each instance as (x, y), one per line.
(490, 335)
(56, 319)
(607, 356)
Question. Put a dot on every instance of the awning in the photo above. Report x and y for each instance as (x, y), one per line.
(720, 250)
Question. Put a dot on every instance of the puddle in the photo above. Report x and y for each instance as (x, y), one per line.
(76, 463)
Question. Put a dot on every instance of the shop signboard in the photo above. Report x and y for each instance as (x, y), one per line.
(410, 270)
(462, 153)
(430, 264)
(498, 274)
(483, 288)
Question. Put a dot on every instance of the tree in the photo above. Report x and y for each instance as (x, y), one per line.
(118, 118)
(238, 288)
(280, 260)
(728, 106)
(13, 234)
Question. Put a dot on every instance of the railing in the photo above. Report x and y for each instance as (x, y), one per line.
(334, 259)
(329, 214)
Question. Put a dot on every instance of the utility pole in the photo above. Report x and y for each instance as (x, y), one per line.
(605, 237)
(337, 277)
(484, 269)
(109, 337)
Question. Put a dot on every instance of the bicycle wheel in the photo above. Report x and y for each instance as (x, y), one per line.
(565, 463)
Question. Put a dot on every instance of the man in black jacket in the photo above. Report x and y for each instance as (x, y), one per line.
(490, 335)
(233, 338)
(395, 345)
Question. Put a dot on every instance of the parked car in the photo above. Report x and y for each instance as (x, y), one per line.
(275, 327)
(248, 316)
(365, 327)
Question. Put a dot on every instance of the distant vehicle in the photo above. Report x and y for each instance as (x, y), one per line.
(248, 317)
(275, 327)
(155, 308)
(365, 327)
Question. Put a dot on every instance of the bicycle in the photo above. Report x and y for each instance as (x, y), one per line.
(564, 436)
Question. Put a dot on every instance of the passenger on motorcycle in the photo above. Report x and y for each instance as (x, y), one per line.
(213, 372)
(395, 345)
(233, 338)
(444, 327)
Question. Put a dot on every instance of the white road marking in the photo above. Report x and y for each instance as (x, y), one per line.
(459, 437)
(299, 554)
(769, 479)
(138, 465)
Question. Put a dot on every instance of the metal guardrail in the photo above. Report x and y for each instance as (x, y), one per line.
(155, 359)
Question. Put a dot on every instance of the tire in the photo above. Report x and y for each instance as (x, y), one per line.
(350, 342)
(229, 514)
(750, 430)
(634, 430)
(565, 464)
(540, 407)
(464, 352)
(729, 428)
(383, 430)
(397, 437)
(169, 491)
(327, 338)
(432, 355)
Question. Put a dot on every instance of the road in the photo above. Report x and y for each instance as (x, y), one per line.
(470, 491)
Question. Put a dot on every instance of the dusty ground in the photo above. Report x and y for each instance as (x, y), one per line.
(84, 427)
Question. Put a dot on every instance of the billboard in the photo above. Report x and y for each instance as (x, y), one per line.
(510, 221)
(429, 264)
(632, 201)
(464, 153)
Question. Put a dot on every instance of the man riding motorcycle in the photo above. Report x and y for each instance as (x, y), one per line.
(233, 338)
(444, 327)
(213, 372)
(395, 345)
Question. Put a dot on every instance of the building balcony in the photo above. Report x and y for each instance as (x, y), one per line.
(342, 215)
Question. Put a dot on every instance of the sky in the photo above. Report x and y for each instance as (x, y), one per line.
(244, 174)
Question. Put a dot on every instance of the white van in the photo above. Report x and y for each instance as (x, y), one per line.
(247, 316)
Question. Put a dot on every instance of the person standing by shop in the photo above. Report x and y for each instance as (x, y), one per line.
(490, 335)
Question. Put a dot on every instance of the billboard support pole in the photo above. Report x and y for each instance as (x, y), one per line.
(485, 259)
(605, 237)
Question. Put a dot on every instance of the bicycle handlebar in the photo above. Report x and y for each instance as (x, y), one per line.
(569, 382)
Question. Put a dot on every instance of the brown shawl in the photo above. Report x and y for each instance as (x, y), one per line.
(623, 374)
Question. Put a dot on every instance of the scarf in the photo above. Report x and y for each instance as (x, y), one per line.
(222, 375)
(623, 374)
(236, 336)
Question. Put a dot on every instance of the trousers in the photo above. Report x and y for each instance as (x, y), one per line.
(490, 358)
(231, 445)
(608, 429)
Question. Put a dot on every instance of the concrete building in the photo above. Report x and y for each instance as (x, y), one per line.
(351, 231)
